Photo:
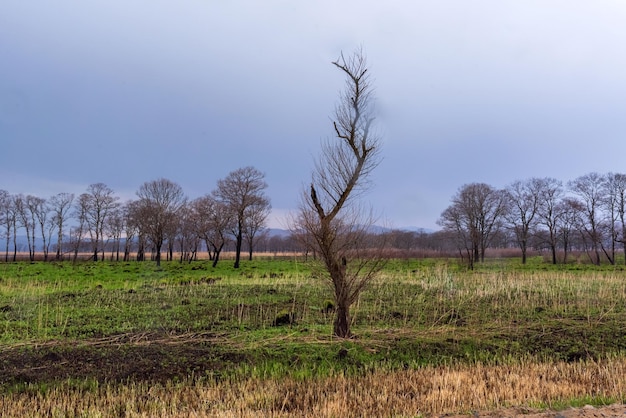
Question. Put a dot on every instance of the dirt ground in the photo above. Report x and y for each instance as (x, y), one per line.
(611, 411)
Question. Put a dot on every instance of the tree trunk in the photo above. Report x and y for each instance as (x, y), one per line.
(342, 320)
(158, 255)
(238, 249)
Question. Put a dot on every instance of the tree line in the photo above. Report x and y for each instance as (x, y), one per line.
(161, 217)
(587, 214)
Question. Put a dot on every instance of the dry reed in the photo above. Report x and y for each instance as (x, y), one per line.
(427, 391)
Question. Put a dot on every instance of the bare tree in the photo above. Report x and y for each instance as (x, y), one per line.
(329, 213)
(39, 207)
(242, 191)
(614, 204)
(135, 223)
(60, 205)
(5, 219)
(77, 232)
(212, 220)
(99, 202)
(475, 216)
(550, 212)
(620, 201)
(130, 229)
(589, 191)
(27, 208)
(524, 199)
(255, 220)
(114, 227)
(158, 206)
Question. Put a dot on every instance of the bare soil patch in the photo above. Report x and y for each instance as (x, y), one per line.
(129, 357)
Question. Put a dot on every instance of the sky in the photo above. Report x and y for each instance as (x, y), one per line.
(127, 91)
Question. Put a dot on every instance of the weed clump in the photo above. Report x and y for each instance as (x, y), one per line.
(284, 318)
(329, 306)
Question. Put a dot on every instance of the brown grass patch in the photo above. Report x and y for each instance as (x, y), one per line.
(428, 391)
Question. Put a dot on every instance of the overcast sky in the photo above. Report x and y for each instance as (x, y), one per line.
(127, 91)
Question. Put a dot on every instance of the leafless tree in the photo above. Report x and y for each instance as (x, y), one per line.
(570, 223)
(96, 206)
(135, 224)
(475, 216)
(588, 189)
(550, 212)
(212, 221)
(8, 220)
(186, 236)
(130, 229)
(524, 199)
(39, 207)
(60, 206)
(115, 226)
(78, 231)
(255, 221)
(158, 206)
(330, 218)
(614, 204)
(242, 191)
(27, 208)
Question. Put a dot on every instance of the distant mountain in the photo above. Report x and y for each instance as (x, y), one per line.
(277, 232)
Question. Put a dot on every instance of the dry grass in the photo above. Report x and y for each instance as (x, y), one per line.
(428, 391)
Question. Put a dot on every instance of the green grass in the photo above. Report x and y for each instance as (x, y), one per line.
(420, 312)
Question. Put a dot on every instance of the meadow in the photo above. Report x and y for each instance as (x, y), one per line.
(185, 339)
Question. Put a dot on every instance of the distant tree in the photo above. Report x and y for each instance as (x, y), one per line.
(589, 192)
(39, 207)
(186, 237)
(130, 229)
(212, 220)
(571, 221)
(27, 209)
(550, 212)
(614, 205)
(78, 231)
(99, 202)
(60, 206)
(524, 198)
(330, 220)
(158, 206)
(242, 191)
(6, 203)
(475, 216)
(135, 224)
(115, 226)
(255, 221)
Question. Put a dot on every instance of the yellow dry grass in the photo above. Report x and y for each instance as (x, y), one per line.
(429, 391)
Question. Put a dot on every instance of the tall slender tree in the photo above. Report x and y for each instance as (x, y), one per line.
(331, 220)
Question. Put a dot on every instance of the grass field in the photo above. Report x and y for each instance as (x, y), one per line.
(131, 339)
